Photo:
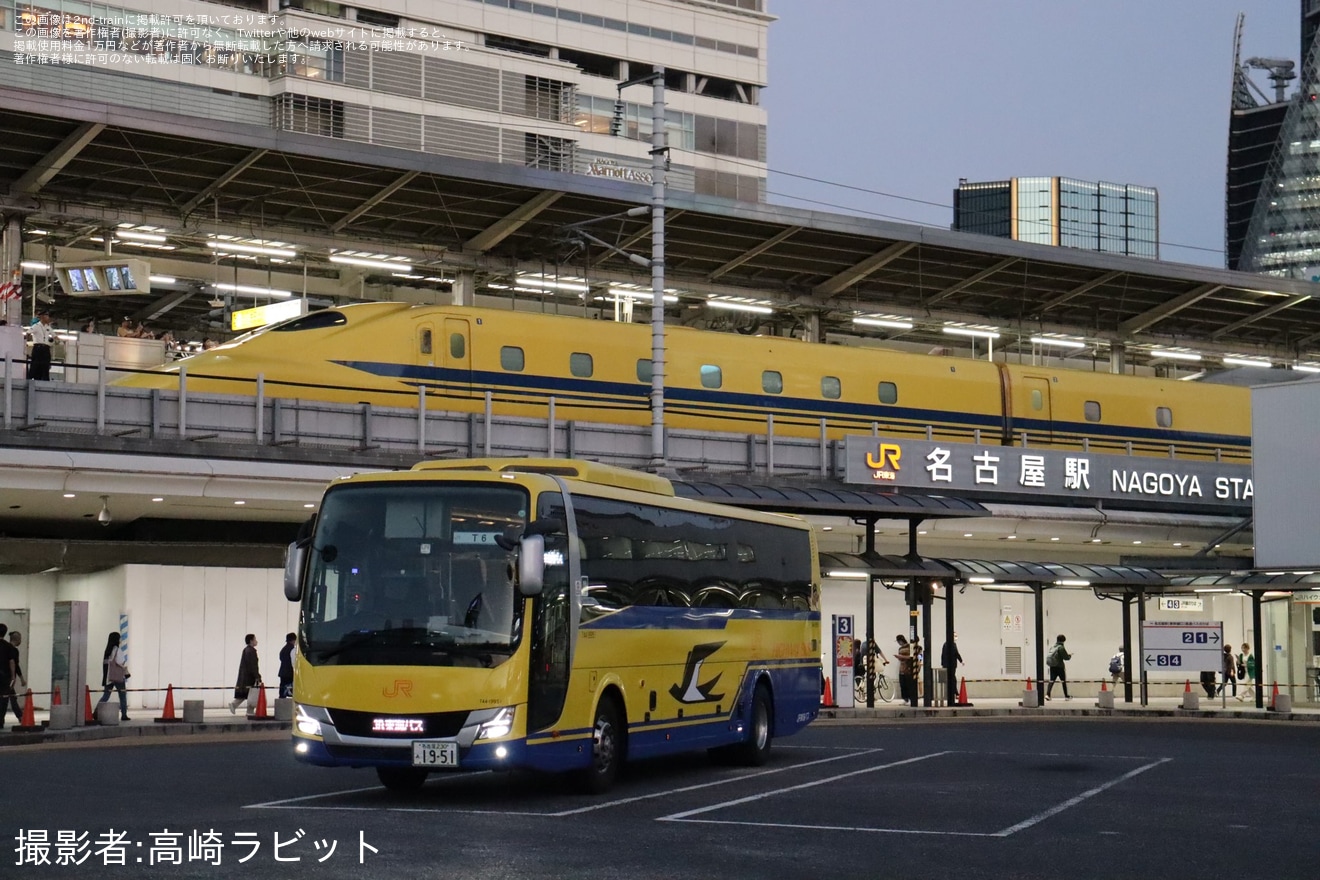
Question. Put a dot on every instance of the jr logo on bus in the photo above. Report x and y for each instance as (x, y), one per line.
(402, 687)
(691, 690)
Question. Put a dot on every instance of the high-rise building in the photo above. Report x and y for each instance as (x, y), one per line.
(1272, 210)
(1113, 218)
(531, 84)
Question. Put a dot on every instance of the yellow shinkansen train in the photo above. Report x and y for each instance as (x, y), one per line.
(601, 371)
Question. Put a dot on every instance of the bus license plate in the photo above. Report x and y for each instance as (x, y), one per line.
(434, 754)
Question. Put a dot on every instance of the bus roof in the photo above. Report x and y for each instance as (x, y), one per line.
(582, 471)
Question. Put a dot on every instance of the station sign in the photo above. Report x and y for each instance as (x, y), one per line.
(1181, 603)
(1182, 647)
(1045, 474)
(104, 277)
(273, 313)
(843, 637)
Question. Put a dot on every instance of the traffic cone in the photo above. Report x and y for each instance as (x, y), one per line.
(167, 714)
(89, 716)
(29, 716)
(829, 694)
(962, 693)
(1274, 696)
(55, 697)
(1103, 686)
(1188, 688)
(261, 703)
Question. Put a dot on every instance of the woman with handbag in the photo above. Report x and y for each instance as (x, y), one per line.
(114, 674)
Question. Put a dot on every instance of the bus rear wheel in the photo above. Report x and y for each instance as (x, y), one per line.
(401, 778)
(755, 749)
(606, 751)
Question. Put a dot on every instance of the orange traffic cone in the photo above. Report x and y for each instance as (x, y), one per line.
(1103, 686)
(29, 716)
(962, 693)
(1274, 696)
(55, 697)
(261, 703)
(829, 694)
(89, 716)
(1028, 682)
(167, 714)
(1188, 688)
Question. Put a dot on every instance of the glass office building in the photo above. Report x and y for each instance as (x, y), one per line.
(1282, 234)
(1112, 218)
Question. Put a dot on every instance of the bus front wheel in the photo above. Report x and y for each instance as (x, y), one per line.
(401, 778)
(606, 750)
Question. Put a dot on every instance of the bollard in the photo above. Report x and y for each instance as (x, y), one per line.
(1105, 699)
(1283, 702)
(107, 714)
(1030, 697)
(284, 709)
(194, 711)
(62, 716)
(1191, 699)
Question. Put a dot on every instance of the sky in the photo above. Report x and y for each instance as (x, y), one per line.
(898, 99)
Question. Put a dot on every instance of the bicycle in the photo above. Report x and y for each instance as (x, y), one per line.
(884, 688)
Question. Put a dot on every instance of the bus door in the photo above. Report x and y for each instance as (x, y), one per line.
(1037, 411)
(457, 351)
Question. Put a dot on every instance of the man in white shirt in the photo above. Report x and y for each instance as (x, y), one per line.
(39, 368)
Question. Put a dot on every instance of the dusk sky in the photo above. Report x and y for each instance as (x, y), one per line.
(904, 98)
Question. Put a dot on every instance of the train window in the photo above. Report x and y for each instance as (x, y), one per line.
(644, 370)
(1037, 400)
(580, 365)
(831, 387)
(511, 358)
(711, 376)
(312, 321)
(424, 341)
(772, 382)
(457, 345)
(888, 392)
(1091, 409)
(1164, 417)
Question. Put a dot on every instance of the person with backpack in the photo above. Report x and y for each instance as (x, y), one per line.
(1116, 667)
(1055, 660)
(1229, 671)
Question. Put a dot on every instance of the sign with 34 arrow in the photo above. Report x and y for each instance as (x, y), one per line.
(1182, 647)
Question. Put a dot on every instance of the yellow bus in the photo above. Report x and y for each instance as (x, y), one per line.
(546, 614)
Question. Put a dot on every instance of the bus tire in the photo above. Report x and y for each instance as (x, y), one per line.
(755, 750)
(607, 745)
(402, 778)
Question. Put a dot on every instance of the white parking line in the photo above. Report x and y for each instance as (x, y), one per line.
(683, 817)
(1072, 802)
(298, 803)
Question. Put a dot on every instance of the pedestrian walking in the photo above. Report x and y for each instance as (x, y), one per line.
(1229, 671)
(1247, 671)
(249, 672)
(907, 679)
(8, 677)
(1055, 660)
(950, 660)
(20, 680)
(115, 674)
(1116, 667)
(286, 665)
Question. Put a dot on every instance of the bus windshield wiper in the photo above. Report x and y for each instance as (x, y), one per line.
(355, 641)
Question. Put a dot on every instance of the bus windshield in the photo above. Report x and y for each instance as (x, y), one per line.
(411, 574)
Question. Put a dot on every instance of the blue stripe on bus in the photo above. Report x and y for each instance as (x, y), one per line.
(680, 617)
(724, 404)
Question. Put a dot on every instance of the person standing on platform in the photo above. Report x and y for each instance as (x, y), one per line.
(1055, 660)
(20, 681)
(907, 679)
(39, 367)
(249, 673)
(8, 675)
(1248, 673)
(286, 665)
(1116, 667)
(951, 659)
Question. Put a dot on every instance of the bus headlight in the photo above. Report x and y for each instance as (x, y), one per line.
(306, 724)
(499, 725)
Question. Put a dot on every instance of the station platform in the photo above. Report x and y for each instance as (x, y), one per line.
(220, 723)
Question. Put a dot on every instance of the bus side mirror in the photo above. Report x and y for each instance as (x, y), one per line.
(294, 557)
(531, 565)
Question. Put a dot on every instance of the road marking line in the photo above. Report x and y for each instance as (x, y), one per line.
(309, 797)
(679, 817)
(830, 827)
(1072, 802)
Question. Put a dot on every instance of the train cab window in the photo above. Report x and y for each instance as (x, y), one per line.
(1037, 400)
(312, 321)
(888, 392)
(511, 359)
(457, 346)
(644, 370)
(772, 382)
(1091, 409)
(580, 365)
(1164, 417)
(424, 341)
(830, 387)
(711, 376)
